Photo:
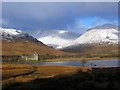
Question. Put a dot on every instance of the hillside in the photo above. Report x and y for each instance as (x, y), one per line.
(16, 42)
(103, 35)
(23, 47)
(97, 41)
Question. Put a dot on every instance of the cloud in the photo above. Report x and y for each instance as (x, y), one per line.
(100, 21)
(55, 15)
(81, 25)
(77, 26)
(0, 22)
(61, 1)
(3, 22)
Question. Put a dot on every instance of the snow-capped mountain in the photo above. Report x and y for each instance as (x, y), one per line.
(13, 34)
(54, 38)
(105, 34)
(17, 42)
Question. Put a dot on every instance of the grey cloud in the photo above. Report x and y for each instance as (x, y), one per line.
(55, 15)
(61, 1)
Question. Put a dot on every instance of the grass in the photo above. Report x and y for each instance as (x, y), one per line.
(64, 59)
(13, 74)
(16, 71)
(18, 47)
(80, 59)
(10, 71)
(63, 78)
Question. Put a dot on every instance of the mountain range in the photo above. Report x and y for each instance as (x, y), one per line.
(101, 35)
(62, 39)
(101, 41)
(54, 38)
(16, 42)
(44, 41)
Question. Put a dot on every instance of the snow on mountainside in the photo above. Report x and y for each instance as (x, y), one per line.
(54, 38)
(16, 42)
(99, 35)
(56, 42)
(9, 31)
(13, 34)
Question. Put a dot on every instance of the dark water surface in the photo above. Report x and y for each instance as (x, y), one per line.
(90, 63)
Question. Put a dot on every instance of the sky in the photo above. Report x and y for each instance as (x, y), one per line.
(73, 16)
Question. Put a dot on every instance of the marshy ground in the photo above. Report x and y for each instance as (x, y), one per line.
(18, 76)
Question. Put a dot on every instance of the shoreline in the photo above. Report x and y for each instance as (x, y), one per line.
(77, 59)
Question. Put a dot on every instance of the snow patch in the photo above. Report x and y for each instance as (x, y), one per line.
(48, 40)
(10, 31)
(61, 32)
(95, 36)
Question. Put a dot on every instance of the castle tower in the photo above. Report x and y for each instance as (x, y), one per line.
(35, 56)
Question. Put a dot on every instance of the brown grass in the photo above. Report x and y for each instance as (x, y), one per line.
(96, 50)
(63, 77)
(57, 70)
(70, 59)
(10, 70)
(22, 47)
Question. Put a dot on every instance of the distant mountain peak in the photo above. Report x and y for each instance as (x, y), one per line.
(10, 31)
(105, 26)
(105, 34)
(54, 38)
(13, 34)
